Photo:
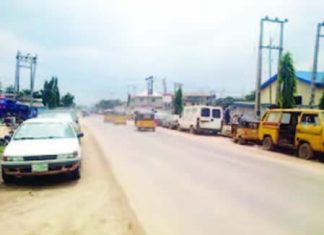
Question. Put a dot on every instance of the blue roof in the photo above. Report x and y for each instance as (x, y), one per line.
(303, 76)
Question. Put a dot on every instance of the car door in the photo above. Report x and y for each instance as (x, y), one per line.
(310, 130)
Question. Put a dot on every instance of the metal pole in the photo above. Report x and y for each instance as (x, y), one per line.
(17, 73)
(279, 60)
(270, 71)
(32, 78)
(314, 73)
(259, 73)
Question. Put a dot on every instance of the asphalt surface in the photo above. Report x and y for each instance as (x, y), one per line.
(94, 205)
(177, 183)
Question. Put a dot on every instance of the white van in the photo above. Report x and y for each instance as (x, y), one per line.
(201, 118)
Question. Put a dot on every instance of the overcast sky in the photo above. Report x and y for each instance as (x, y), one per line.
(99, 47)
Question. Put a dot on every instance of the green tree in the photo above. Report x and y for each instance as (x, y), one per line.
(250, 97)
(287, 82)
(67, 100)
(178, 102)
(321, 104)
(51, 93)
(108, 104)
(10, 90)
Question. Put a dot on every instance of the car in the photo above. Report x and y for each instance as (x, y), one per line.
(42, 146)
(170, 121)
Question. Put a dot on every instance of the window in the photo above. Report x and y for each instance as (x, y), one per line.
(205, 112)
(310, 119)
(285, 119)
(44, 131)
(216, 113)
(273, 117)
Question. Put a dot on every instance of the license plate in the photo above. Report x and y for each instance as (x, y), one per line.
(39, 167)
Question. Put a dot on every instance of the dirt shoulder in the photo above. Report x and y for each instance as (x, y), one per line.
(55, 205)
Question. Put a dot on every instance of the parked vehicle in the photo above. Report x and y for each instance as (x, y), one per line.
(300, 129)
(160, 117)
(170, 121)
(199, 119)
(145, 121)
(246, 132)
(42, 147)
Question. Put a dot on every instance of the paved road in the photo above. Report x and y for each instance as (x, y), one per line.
(94, 205)
(183, 184)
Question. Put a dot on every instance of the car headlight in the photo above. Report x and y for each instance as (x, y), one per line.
(67, 155)
(12, 158)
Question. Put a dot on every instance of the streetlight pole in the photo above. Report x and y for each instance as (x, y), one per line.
(314, 72)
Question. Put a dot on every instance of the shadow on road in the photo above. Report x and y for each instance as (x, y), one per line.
(40, 182)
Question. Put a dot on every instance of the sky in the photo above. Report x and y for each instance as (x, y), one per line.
(103, 49)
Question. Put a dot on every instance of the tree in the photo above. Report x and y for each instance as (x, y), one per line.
(10, 89)
(250, 97)
(51, 93)
(108, 104)
(321, 104)
(67, 100)
(287, 82)
(178, 102)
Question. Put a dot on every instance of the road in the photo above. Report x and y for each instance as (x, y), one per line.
(57, 206)
(177, 183)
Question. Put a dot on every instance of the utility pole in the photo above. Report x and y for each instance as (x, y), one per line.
(28, 62)
(314, 73)
(165, 88)
(270, 69)
(150, 81)
(259, 63)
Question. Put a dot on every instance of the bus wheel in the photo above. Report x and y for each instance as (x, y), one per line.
(267, 143)
(305, 151)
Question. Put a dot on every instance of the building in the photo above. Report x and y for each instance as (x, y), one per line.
(197, 98)
(145, 101)
(303, 93)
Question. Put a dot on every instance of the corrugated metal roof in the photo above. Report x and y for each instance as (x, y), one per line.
(303, 76)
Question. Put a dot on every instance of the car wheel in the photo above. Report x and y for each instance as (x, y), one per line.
(192, 130)
(75, 175)
(267, 143)
(7, 179)
(305, 151)
(241, 141)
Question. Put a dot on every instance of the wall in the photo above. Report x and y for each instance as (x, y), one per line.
(303, 89)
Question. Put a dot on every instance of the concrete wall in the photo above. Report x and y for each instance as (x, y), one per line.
(303, 89)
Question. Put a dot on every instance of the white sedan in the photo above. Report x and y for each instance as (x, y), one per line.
(42, 147)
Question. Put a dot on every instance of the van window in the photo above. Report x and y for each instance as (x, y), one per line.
(285, 119)
(216, 113)
(205, 112)
(273, 117)
(310, 119)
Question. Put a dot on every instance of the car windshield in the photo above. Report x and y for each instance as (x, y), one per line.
(64, 116)
(44, 131)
